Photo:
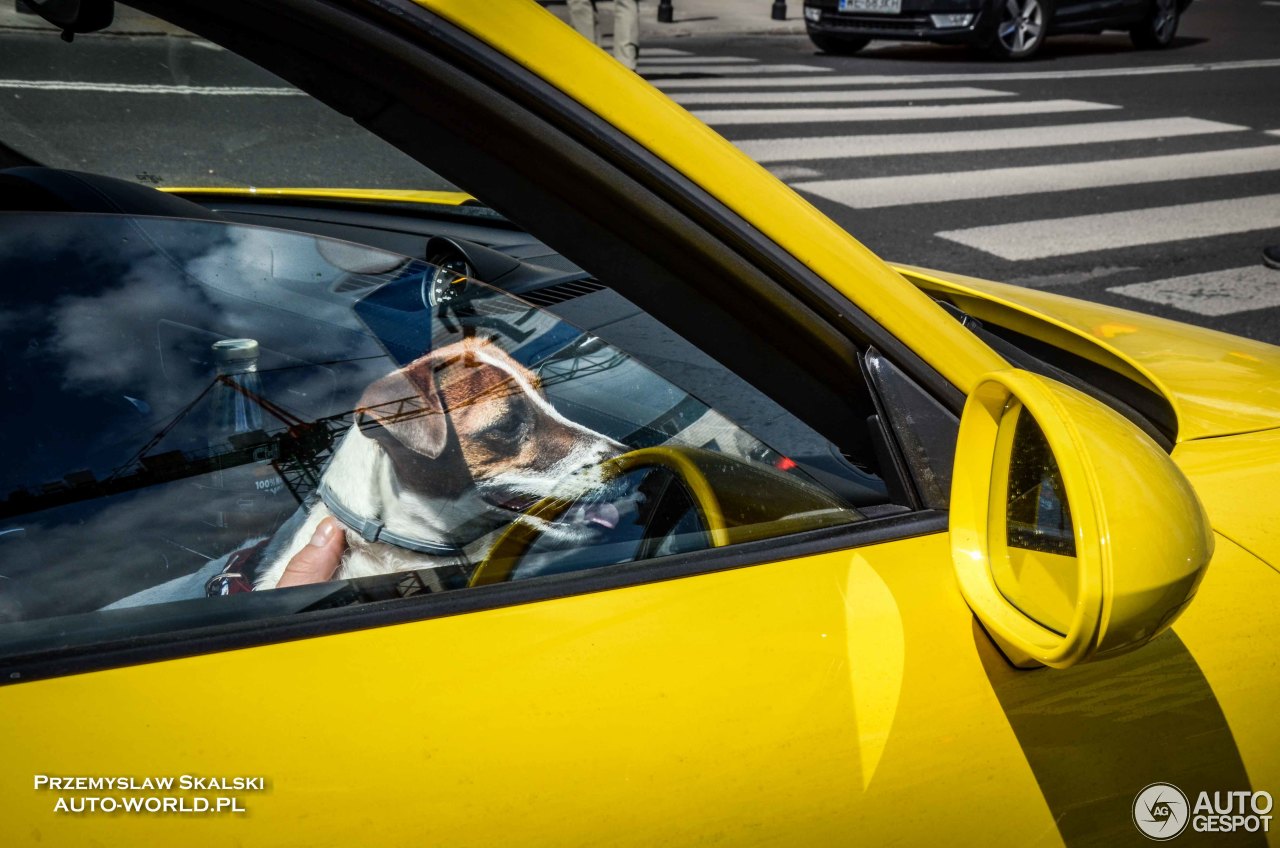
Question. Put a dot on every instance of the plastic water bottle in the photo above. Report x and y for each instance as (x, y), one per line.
(246, 487)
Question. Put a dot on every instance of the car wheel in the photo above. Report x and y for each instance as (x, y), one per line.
(1020, 30)
(1159, 27)
(839, 45)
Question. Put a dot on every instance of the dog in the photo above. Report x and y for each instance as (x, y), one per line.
(446, 452)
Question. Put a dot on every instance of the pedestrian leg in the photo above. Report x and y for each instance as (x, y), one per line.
(582, 14)
(626, 32)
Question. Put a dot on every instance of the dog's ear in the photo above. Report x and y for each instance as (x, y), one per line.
(406, 406)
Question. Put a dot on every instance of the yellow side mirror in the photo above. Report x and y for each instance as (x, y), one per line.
(1074, 536)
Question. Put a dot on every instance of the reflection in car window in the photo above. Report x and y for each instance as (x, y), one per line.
(186, 399)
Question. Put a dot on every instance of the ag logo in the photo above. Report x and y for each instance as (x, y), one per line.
(1161, 811)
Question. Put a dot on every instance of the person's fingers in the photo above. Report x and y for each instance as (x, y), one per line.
(316, 562)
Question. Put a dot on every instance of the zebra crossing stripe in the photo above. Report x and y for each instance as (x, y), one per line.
(791, 82)
(873, 95)
(694, 60)
(1215, 293)
(903, 144)
(725, 117)
(843, 80)
(878, 192)
(650, 68)
(1108, 231)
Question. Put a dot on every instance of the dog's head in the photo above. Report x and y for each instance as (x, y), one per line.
(468, 415)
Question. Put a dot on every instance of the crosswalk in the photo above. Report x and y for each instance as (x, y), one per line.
(831, 135)
(856, 114)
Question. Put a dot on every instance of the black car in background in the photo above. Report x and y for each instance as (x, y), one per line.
(1008, 29)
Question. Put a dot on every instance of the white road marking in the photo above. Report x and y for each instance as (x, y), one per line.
(652, 52)
(1085, 233)
(878, 192)
(1071, 278)
(666, 61)
(723, 117)
(793, 172)
(732, 69)
(873, 95)
(129, 88)
(902, 144)
(792, 82)
(1215, 293)
(987, 78)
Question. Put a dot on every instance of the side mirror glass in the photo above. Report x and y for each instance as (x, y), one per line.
(1074, 536)
(1032, 541)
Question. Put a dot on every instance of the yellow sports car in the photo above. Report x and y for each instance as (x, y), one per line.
(654, 508)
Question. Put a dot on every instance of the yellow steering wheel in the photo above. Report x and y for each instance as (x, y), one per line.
(500, 563)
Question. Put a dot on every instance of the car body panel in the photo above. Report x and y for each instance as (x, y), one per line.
(1191, 708)
(913, 23)
(674, 715)
(1227, 631)
(1235, 478)
(1218, 384)
(539, 41)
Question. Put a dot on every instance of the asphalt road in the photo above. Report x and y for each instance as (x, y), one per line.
(174, 110)
(1149, 180)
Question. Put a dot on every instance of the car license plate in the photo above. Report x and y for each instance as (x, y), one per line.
(875, 7)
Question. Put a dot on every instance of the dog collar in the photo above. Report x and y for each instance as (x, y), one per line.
(373, 530)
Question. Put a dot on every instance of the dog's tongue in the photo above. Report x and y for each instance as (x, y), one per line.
(603, 514)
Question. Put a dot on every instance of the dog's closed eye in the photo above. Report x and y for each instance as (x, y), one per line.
(511, 426)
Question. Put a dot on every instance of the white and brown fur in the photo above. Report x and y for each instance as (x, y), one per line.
(480, 441)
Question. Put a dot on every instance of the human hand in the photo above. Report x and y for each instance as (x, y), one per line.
(318, 561)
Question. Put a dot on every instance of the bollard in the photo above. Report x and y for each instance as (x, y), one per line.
(779, 12)
(664, 11)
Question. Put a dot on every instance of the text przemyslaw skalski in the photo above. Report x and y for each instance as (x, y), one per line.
(124, 783)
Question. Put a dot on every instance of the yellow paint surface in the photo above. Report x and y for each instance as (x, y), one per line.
(1218, 384)
(718, 708)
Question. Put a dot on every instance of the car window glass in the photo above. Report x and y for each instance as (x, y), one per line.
(187, 395)
(924, 429)
(235, 124)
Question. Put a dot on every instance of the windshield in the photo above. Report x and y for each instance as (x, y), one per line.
(157, 105)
